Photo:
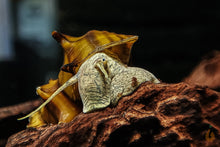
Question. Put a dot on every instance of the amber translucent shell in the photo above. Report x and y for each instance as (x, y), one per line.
(66, 105)
(60, 109)
(76, 49)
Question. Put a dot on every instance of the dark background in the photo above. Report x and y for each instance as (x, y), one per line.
(173, 37)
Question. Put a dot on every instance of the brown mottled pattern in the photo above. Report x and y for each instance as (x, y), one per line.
(103, 81)
(78, 49)
(134, 82)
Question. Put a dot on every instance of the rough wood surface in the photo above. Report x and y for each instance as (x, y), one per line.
(8, 119)
(18, 109)
(154, 115)
(207, 73)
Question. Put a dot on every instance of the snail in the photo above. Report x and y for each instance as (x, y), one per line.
(101, 78)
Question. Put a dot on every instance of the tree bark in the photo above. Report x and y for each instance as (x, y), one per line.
(154, 115)
(8, 119)
(207, 73)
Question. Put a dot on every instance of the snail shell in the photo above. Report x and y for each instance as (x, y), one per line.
(78, 49)
(94, 69)
(102, 81)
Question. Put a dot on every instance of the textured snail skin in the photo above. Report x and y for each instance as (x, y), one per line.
(65, 106)
(94, 72)
(77, 49)
(103, 80)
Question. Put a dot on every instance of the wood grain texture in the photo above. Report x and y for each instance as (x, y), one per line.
(8, 119)
(206, 73)
(154, 115)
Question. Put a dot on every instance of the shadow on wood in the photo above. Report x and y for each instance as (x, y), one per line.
(154, 115)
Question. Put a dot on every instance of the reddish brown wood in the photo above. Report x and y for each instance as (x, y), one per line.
(19, 109)
(207, 73)
(154, 115)
(8, 119)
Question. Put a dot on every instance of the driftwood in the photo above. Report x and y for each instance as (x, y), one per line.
(182, 114)
(154, 115)
(8, 119)
(207, 73)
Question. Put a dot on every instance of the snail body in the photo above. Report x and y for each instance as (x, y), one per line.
(103, 80)
(94, 75)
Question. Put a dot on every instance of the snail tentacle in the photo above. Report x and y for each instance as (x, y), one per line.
(70, 82)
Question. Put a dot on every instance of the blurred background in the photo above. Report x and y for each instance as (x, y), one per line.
(173, 37)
